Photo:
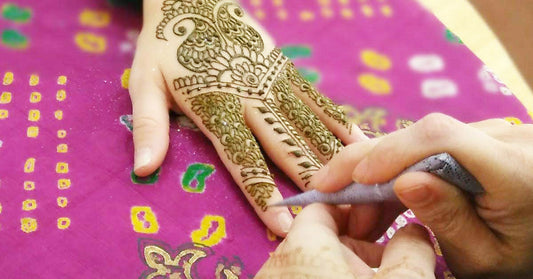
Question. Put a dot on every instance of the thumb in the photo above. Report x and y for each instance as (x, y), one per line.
(464, 237)
(150, 126)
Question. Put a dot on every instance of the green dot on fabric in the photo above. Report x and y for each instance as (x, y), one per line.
(296, 51)
(193, 180)
(15, 13)
(14, 39)
(309, 74)
(151, 179)
(126, 121)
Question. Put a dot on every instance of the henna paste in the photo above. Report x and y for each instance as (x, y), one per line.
(221, 114)
(260, 192)
(301, 116)
(330, 109)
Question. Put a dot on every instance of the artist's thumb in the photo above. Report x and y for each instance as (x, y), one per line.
(447, 211)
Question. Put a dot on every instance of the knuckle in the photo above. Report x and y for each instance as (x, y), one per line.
(435, 127)
(446, 220)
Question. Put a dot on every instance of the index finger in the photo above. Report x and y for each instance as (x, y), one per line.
(337, 173)
(436, 133)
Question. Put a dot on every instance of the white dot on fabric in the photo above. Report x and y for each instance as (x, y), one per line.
(439, 88)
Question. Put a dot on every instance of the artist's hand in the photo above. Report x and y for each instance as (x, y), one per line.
(488, 237)
(316, 248)
(211, 61)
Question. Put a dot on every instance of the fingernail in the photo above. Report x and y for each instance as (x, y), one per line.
(319, 176)
(416, 195)
(142, 158)
(285, 221)
(360, 170)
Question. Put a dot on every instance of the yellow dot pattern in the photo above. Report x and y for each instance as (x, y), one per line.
(5, 98)
(32, 132)
(8, 78)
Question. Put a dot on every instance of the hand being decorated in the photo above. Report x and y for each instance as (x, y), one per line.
(211, 61)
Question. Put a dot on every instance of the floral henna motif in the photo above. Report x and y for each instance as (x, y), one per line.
(221, 114)
(301, 116)
(261, 192)
(228, 62)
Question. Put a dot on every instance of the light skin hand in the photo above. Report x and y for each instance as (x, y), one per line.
(490, 236)
(316, 248)
(212, 62)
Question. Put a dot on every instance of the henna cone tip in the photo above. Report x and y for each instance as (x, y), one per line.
(442, 165)
(300, 199)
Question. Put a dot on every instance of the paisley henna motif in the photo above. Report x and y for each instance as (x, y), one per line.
(228, 62)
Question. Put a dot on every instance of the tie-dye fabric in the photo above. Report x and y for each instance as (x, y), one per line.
(69, 205)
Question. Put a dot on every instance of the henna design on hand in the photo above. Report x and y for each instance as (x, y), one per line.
(305, 157)
(330, 109)
(301, 116)
(221, 114)
(227, 63)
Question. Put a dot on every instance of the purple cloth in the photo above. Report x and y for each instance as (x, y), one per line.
(384, 60)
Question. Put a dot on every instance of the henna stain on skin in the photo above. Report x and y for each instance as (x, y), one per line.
(228, 62)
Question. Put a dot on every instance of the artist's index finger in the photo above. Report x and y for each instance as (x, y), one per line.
(337, 173)
(433, 134)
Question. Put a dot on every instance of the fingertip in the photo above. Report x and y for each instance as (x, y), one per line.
(150, 153)
(416, 231)
(323, 215)
(351, 134)
(150, 138)
(356, 134)
(278, 220)
(318, 180)
(285, 221)
(141, 163)
(360, 172)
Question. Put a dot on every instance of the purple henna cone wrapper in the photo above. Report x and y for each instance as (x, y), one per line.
(443, 165)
